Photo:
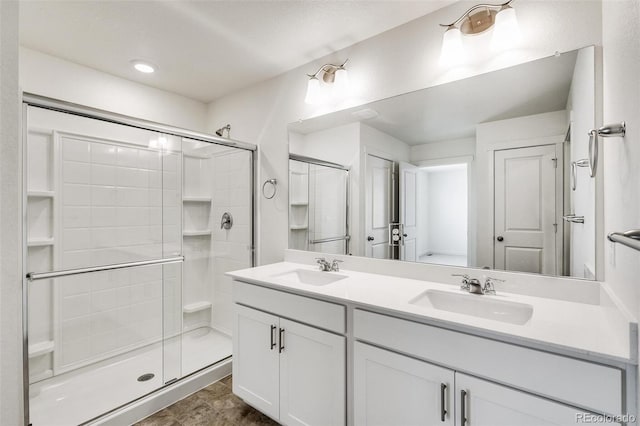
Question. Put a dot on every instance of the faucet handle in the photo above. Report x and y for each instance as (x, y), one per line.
(465, 281)
(320, 260)
(488, 285)
(334, 265)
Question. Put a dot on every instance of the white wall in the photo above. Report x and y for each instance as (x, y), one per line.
(443, 149)
(538, 129)
(260, 114)
(581, 107)
(47, 75)
(621, 93)
(11, 409)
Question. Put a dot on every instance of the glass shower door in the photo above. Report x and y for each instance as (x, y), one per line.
(103, 215)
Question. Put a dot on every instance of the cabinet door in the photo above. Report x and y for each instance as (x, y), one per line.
(312, 376)
(489, 404)
(392, 389)
(255, 359)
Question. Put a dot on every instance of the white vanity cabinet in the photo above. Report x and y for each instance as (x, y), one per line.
(415, 359)
(291, 371)
(482, 403)
(393, 389)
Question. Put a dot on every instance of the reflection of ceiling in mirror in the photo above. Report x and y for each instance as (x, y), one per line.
(452, 110)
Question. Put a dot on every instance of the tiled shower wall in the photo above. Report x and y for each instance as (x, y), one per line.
(113, 210)
(232, 248)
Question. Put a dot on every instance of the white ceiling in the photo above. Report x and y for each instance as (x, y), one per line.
(452, 110)
(205, 49)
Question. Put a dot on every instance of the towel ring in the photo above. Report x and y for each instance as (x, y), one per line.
(273, 183)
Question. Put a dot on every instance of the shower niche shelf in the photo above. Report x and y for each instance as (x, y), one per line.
(298, 227)
(40, 242)
(196, 307)
(196, 200)
(41, 194)
(197, 233)
(42, 348)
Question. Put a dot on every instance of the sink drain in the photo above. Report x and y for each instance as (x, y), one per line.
(146, 377)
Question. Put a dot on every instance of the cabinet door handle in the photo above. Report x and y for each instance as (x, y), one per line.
(281, 340)
(273, 337)
(443, 395)
(463, 407)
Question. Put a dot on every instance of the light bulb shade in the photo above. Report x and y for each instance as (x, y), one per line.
(313, 92)
(452, 50)
(340, 83)
(506, 31)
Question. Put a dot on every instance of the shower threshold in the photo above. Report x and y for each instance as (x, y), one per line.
(79, 396)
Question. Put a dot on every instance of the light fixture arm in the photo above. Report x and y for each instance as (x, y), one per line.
(478, 6)
(331, 68)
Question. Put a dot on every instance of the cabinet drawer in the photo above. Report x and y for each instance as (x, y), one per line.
(572, 381)
(320, 314)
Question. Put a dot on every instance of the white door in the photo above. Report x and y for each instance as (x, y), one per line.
(392, 389)
(312, 376)
(488, 404)
(378, 207)
(525, 209)
(408, 189)
(255, 359)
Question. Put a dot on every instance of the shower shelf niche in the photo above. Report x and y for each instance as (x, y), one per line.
(41, 348)
(40, 242)
(196, 307)
(41, 194)
(197, 233)
(196, 199)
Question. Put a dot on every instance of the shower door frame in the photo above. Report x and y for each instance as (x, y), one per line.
(34, 100)
(323, 163)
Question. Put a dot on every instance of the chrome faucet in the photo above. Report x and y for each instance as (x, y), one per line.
(328, 267)
(473, 285)
(334, 265)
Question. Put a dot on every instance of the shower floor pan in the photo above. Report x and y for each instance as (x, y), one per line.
(79, 396)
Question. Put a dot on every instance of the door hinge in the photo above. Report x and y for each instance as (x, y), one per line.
(555, 228)
(555, 163)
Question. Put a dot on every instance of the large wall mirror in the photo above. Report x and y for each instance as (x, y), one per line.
(488, 172)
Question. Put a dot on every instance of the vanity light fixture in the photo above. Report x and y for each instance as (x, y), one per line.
(334, 75)
(477, 20)
(143, 67)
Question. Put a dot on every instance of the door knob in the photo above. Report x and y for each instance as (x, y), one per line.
(369, 238)
(500, 238)
(405, 235)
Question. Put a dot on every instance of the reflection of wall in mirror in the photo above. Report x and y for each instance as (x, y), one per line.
(581, 107)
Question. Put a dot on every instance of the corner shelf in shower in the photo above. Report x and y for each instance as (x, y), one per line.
(40, 242)
(42, 348)
(298, 227)
(197, 233)
(299, 204)
(40, 194)
(196, 199)
(196, 307)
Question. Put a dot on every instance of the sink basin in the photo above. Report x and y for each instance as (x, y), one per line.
(474, 305)
(305, 276)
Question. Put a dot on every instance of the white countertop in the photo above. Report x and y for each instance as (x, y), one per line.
(597, 332)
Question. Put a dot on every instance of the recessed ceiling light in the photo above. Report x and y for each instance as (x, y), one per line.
(143, 66)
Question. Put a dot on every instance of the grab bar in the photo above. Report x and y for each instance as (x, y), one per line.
(35, 276)
(328, 240)
(629, 238)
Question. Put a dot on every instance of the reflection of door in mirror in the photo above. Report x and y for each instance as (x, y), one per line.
(379, 202)
(525, 223)
(408, 190)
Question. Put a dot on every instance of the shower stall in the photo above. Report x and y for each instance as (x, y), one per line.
(129, 228)
(318, 205)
